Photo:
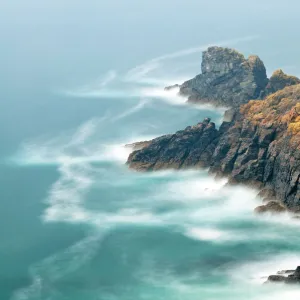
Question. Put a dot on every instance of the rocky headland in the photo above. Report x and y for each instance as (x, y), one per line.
(257, 144)
(227, 79)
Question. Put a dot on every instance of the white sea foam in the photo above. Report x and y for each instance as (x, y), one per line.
(206, 234)
(136, 81)
(97, 84)
(85, 131)
(162, 81)
(146, 92)
(280, 293)
(257, 272)
(131, 110)
(144, 69)
(45, 273)
(193, 189)
(75, 153)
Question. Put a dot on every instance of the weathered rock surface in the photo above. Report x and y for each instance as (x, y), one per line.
(260, 146)
(288, 277)
(228, 79)
(192, 147)
(279, 80)
(267, 194)
(273, 207)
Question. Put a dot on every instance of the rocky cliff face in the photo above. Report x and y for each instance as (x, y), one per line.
(228, 79)
(260, 146)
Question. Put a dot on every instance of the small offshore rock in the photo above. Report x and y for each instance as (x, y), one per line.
(293, 277)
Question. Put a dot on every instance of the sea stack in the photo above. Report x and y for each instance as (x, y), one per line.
(228, 79)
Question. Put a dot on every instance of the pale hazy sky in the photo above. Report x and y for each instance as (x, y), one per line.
(58, 39)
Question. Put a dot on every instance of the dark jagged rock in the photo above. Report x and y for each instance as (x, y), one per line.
(288, 277)
(192, 147)
(228, 79)
(277, 278)
(261, 146)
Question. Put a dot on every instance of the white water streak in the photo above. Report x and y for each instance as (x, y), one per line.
(141, 70)
(139, 75)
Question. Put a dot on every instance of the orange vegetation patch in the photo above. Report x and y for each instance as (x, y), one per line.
(280, 109)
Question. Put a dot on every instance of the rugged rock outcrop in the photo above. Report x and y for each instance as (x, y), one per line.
(288, 277)
(228, 79)
(192, 147)
(266, 195)
(260, 146)
(273, 207)
(279, 80)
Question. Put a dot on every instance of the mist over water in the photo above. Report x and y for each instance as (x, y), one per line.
(75, 223)
(164, 235)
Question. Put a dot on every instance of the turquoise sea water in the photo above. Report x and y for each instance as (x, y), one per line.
(79, 80)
